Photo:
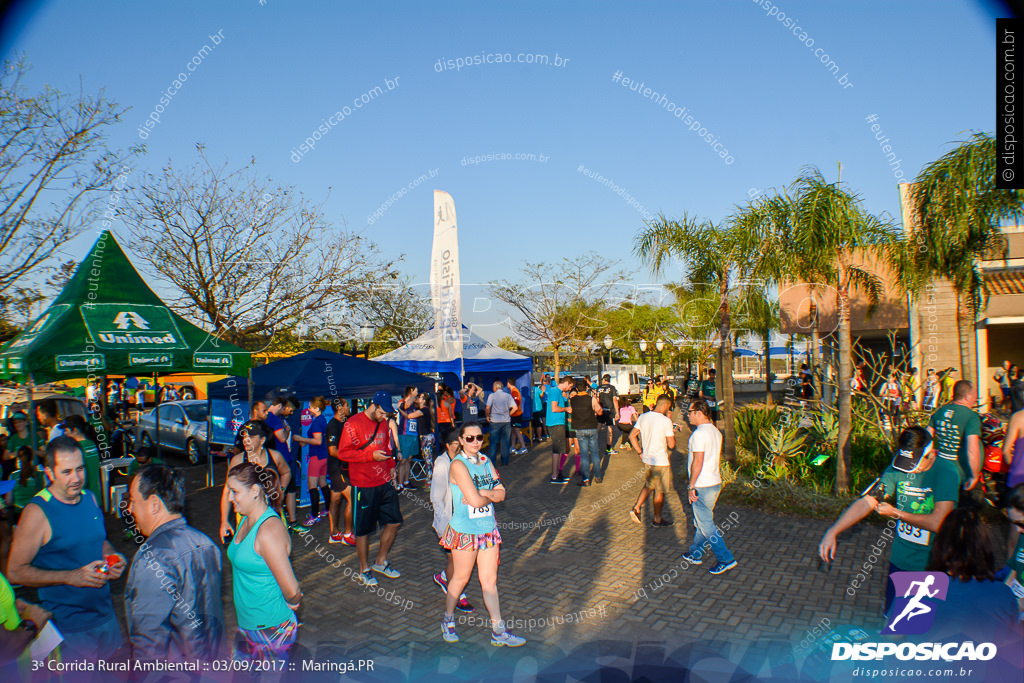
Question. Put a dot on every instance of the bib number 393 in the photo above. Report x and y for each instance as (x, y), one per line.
(914, 534)
(480, 513)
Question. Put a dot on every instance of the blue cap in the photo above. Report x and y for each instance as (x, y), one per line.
(383, 400)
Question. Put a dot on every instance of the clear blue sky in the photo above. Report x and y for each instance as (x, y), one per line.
(926, 69)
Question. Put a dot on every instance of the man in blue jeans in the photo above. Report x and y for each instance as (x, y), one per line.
(705, 452)
(499, 413)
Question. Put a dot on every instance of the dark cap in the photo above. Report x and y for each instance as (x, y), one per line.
(253, 428)
(453, 437)
(906, 460)
(382, 399)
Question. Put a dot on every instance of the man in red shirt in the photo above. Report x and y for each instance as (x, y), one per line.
(517, 418)
(365, 444)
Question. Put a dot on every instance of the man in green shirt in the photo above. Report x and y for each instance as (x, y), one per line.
(925, 488)
(957, 432)
(707, 392)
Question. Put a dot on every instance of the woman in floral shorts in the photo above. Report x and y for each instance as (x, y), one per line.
(472, 534)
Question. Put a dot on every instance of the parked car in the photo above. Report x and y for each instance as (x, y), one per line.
(183, 429)
(15, 401)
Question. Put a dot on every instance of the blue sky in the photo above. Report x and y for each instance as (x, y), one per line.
(925, 69)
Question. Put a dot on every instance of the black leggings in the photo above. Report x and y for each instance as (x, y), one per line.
(625, 430)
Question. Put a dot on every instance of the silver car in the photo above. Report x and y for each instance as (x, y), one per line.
(183, 430)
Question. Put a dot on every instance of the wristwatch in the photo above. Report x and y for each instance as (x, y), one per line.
(29, 626)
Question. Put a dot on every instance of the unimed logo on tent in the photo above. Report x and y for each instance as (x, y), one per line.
(913, 613)
(134, 326)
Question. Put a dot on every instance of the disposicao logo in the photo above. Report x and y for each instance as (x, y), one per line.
(913, 613)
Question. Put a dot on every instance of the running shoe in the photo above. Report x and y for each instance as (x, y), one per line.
(690, 559)
(634, 515)
(441, 582)
(297, 528)
(448, 630)
(367, 579)
(463, 605)
(722, 567)
(583, 482)
(613, 452)
(598, 480)
(336, 537)
(311, 520)
(663, 522)
(506, 639)
(387, 570)
(557, 482)
(349, 539)
(325, 514)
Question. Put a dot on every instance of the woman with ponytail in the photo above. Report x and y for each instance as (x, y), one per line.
(266, 592)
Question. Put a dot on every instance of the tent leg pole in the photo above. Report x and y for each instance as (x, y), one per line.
(156, 412)
(209, 440)
(33, 427)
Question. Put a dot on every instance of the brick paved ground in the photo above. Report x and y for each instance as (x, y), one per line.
(569, 550)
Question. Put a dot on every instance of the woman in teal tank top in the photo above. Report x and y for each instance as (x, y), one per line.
(472, 534)
(266, 592)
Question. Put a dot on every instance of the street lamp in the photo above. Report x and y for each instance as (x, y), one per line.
(366, 335)
(656, 352)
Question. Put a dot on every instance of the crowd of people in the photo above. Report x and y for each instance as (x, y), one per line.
(367, 452)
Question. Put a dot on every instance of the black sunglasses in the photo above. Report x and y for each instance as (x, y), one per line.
(470, 438)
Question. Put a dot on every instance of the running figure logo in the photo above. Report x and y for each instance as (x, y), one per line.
(914, 612)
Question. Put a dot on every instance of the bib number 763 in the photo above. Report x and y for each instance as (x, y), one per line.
(479, 513)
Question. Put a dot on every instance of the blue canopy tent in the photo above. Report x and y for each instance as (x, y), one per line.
(740, 352)
(321, 373)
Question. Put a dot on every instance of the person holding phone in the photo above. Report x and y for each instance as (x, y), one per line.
(60, 547)
(365, 444)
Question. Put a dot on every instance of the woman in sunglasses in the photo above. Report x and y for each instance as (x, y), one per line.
(472, 534)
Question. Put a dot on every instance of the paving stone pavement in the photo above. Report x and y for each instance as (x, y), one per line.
(573, 572)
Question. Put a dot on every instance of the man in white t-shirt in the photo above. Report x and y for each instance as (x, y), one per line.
(653, 430)
(705, 452)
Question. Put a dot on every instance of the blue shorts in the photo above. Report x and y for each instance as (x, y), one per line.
(410, 445)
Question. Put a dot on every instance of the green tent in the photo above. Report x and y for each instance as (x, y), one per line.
(108, 321)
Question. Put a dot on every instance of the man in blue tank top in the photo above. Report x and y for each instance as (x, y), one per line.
(61, 548)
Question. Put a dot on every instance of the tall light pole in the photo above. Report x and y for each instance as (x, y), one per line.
(607, 341)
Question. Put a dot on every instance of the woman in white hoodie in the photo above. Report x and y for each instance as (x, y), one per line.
(441, 499)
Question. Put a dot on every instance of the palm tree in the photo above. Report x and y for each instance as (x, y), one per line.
(717, 259)
(826, 229)
(958, 208)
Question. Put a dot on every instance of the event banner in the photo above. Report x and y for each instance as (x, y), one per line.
(444, 279)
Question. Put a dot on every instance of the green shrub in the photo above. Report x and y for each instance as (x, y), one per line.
(752, 421)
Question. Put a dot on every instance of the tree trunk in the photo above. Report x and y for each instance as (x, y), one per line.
(557, 362)
(845, 405)
(967, 338)
(725, 398)
(767, 371)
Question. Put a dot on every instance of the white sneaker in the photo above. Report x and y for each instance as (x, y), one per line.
(506, 639)
(448, 631)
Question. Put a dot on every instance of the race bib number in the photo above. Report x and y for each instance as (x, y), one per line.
(472, 410)
(711, 403)
(914, 534)
(1017, 589)
(412, 426)
(480, 513)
